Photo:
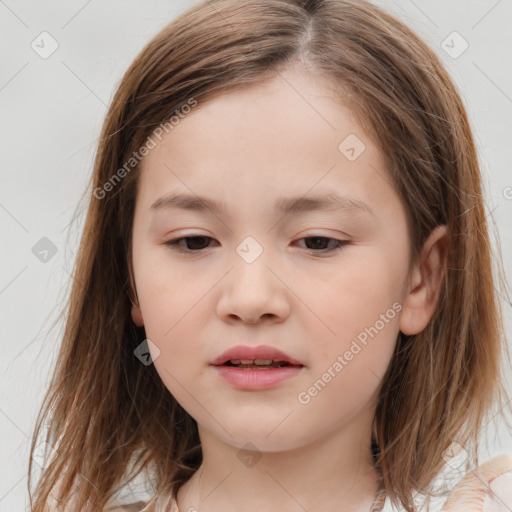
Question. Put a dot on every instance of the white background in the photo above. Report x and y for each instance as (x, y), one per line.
(51, 114)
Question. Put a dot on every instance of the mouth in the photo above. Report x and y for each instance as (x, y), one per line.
(256, 368)
(249, 376)
(262, 357)
(259, 364)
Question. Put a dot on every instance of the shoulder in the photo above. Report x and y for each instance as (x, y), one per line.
(133, 507)
(485, 489)
(167, 504)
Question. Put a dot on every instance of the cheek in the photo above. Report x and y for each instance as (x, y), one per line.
(176, 306)
(167, 292)
(358, 303)
(172, 321)
(353, 294)
(349, 363)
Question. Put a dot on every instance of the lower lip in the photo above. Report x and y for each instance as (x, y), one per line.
(256, 379)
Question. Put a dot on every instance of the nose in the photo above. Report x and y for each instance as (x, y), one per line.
(253, 292)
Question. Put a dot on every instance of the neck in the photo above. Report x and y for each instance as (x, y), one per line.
(333, 473)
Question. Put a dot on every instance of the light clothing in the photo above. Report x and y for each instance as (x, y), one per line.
(487, 489)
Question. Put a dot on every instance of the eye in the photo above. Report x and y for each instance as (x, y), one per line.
(200, 242)
(319, 242)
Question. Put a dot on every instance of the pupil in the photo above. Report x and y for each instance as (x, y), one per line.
(316, 239)
(191, 245)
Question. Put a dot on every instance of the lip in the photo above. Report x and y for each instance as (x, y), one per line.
(259, 352)
(257, 379)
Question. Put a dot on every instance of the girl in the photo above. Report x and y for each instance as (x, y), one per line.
(335, 341)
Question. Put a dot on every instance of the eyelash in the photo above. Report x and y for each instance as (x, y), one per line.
(339, 244)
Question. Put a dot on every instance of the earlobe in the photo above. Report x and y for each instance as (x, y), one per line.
(136, 313)
(425, 283)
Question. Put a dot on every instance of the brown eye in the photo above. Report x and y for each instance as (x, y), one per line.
(198, 243)
(319, 243)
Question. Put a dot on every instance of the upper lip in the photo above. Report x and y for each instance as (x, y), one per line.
(252, 353)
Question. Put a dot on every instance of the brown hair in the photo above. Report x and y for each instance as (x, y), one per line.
(111, 413)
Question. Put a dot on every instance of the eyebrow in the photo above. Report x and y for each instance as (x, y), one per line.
(284, 205)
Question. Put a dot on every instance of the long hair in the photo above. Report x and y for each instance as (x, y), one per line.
(106, 412)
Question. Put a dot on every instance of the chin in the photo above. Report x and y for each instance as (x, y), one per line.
(261, 438)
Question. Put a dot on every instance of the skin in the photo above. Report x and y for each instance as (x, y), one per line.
(248, 148)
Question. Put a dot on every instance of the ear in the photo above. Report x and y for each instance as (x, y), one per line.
(136, 312)
(424, 283)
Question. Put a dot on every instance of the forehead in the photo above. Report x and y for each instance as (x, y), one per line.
(286, 136)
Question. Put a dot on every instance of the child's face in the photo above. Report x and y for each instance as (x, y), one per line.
(248, 149)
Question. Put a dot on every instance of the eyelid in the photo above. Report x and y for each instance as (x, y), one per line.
(339, 243)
